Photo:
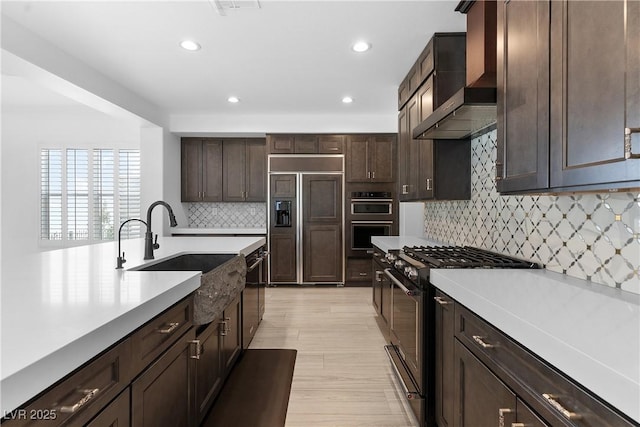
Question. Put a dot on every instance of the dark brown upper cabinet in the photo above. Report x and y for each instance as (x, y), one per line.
(434, 169)
(201, 170)
(245, 170)
(305, 144)
(569, 113)
(371, 158)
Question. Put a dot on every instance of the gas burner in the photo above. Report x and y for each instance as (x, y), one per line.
(463, 257)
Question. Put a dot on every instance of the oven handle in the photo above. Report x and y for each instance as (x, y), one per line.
(372, 222)
(254, 265)
(372, 200)
(409, 292)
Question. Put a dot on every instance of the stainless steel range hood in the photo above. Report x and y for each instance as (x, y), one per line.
(469, 112)
(472, 110)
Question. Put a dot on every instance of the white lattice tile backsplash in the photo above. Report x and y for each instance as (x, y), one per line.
(589, 236)
(227, 215)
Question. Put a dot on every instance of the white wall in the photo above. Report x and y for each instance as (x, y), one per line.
(23, 134)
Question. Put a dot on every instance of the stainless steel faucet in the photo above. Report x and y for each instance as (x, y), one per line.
(149, 244)
(121, 260)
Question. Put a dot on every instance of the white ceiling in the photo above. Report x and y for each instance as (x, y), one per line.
(285, 57)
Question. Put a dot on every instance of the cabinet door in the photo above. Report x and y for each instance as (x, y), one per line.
(444, 359)
(595, 86)
(163, 394)
(382, 155)
(232, 335)
(322, 253)
(404, 185)
(280, 144)
(234, 171)
(376, 284)
(116, 414)
(331, 144)
(481, 399)
(283, 186)
(357, 160)
(211, 170)
(423, 151)
(208, 378)
(306, 144)
(523, 96)
(526, 417)
(256, 171)
(191, 170)
(282, 257)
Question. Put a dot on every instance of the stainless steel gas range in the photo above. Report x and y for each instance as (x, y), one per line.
(412, 330)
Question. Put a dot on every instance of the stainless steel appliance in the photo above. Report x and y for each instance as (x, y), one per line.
(411, 351)
(306, 219)
(253, 301)
(371, 214)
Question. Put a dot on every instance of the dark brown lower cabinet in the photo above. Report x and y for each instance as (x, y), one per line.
(163, 394)
(526, 416)
(359, 270)
(231, 335)
(208, 381)
(116, 414)
(282, 258)
(381, 294)
(481, 399)
(444, 359)
(322, 253)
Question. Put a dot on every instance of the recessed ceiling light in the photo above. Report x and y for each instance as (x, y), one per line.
(347, 100)
(361, 46)
(190, 45)
(233, 99)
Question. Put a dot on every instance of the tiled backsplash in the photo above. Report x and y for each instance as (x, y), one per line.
(227, 215)
(589, 236)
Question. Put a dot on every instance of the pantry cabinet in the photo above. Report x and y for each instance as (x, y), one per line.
(568, 96)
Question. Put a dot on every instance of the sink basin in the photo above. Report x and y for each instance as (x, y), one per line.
(189, 262)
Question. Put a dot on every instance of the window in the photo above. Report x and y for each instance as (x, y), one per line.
(85, 194)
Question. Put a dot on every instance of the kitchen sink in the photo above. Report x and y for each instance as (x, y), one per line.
(188, 262)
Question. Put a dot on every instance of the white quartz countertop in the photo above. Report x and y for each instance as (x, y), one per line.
(588, 331)
(387, 243)
(205, 231)
(61, 308)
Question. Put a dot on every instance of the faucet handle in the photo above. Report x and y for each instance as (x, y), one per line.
(121, 261)
(156, 245)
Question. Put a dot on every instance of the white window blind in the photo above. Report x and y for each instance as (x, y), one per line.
(86, 194)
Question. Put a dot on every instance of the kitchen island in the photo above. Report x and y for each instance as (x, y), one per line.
(61, 308)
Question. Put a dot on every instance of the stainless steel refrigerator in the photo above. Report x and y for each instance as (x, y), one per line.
(306, 219)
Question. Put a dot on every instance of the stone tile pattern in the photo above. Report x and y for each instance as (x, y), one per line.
(227, 215)
(589, 236)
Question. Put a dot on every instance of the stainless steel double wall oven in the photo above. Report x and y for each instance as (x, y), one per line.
(371, 214)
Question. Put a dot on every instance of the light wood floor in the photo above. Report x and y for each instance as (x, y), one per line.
(342, 376)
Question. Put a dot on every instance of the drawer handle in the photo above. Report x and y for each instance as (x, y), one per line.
(363, 274)
(553, 401)
(169, 328)
(481, 342)
(89, 394)
(502, 414)
(442, 301)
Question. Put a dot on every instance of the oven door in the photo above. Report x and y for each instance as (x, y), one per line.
(406, 349)
(362, 231)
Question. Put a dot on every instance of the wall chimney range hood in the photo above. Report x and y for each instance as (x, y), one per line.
(472, 110)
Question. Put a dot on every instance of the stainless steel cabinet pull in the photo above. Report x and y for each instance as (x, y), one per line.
(169, 328)
(334, 148)
(405, 189)
(627, 143)
(553, 401)
(480, 340)
(428, 184)
(89, 394)
(363, 274)
(378, 276)
(441, 301)
(373, 175)
(501, 415)
(518, 425)
(199, 349)
(224, 330)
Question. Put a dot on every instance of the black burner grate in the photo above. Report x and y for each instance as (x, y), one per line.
(463, 257)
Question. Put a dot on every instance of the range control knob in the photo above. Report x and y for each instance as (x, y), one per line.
(391, 257)
(399, 264)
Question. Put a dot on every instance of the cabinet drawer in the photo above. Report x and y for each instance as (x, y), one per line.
(80, 396)
(153, 338)
(331, 144)
(558, 399)
(306, 144)
(359, 270)
(116, 414)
